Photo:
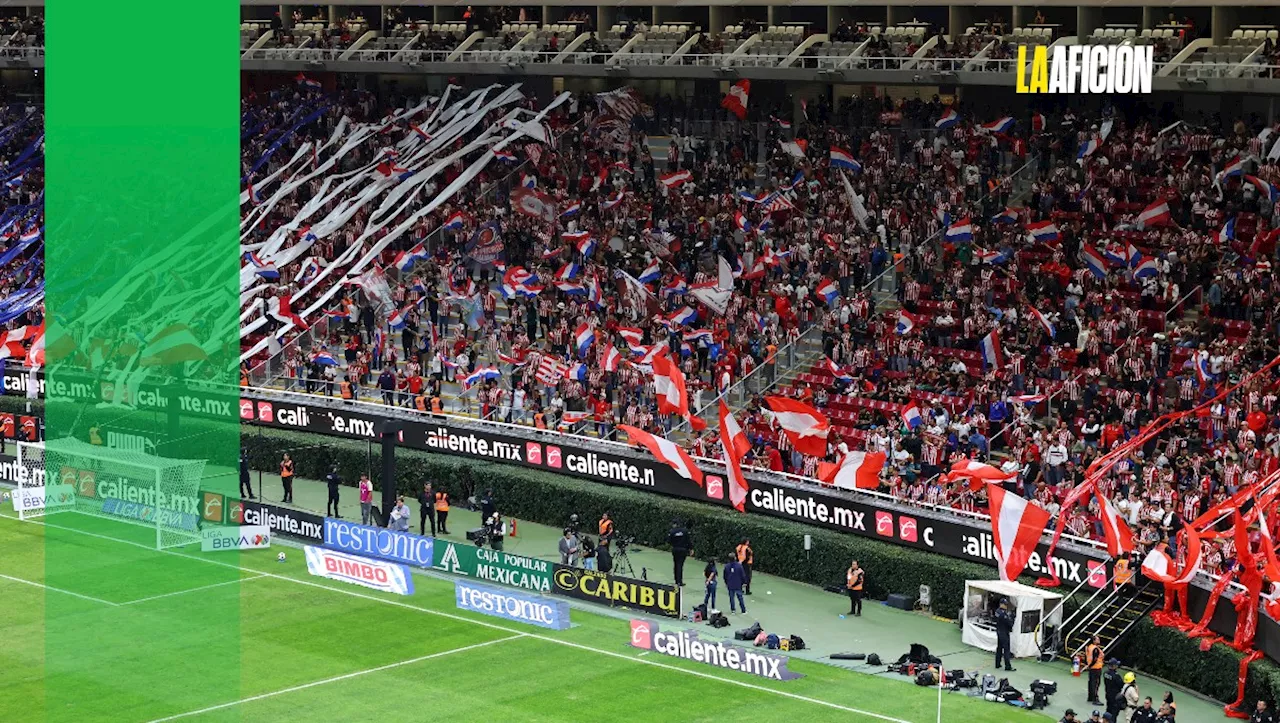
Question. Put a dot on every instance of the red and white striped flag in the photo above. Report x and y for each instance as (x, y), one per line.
(735, 444)
(551, 371)
(665, 450)
(1016, 527)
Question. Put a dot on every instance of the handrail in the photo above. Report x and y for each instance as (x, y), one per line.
(1063, 601)
(972, 64)
(1198, 289)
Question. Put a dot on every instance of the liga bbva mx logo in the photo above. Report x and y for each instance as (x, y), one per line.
(1100, 69)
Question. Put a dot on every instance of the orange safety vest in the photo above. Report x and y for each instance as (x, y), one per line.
(606, 527)
(286, 468)
(345, 386)
(744, 555)
(1124, 574)
(442, 502)
(436, 405)
(539, 421)
(1093, 657)
(244, 379)
(420, 402)
(853, 578)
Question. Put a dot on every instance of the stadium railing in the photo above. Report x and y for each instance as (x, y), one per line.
(977, 520)
(518, 56)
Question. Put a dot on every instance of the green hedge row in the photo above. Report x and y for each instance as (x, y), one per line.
(550, 499)
(1169, 654)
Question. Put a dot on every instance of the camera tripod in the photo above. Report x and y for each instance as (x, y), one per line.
(622, 562)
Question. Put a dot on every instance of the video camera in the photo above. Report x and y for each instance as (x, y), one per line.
(624, 541)
(1040, 692)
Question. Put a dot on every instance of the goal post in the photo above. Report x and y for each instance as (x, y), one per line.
(34, 496)
(128, 486)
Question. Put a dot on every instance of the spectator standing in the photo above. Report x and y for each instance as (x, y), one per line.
(366, 498)
(334, 481)
(426, 510)
(710, 578)
(734, 578)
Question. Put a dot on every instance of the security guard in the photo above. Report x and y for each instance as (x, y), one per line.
(334, 481)
(1112, 684)
(246, 487)
(1093, 657)
(442, 511)
(347, 391)
(1004, 629)
(678, 538)
(747, 557)
(853, 580)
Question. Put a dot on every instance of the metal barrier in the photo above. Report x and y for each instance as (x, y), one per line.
(977, 520)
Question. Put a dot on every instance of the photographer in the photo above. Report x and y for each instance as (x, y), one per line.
(678, 538)
(496, 530)
(588, 553)
(568, 548)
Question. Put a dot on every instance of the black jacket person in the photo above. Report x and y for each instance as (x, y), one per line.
(334, 481)
(1004, 629)
(678, 538)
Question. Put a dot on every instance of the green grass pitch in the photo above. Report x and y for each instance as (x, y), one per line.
(97, 626)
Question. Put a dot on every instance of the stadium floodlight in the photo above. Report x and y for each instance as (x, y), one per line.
(125, 486)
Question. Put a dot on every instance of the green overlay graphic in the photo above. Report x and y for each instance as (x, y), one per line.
(142, 167)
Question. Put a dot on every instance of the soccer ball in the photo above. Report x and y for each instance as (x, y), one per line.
(280, 557)
(6, 496)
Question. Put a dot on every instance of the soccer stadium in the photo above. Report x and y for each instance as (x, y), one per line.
(903, 362)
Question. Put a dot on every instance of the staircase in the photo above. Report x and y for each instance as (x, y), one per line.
(1110, 617)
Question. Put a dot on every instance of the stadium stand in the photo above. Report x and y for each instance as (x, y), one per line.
(1111, 308)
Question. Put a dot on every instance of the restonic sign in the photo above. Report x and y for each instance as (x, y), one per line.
(513, 606)
(378, 542)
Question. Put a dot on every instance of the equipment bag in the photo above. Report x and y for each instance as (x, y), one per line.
(873, 659)
(797, 642)
(771, 642)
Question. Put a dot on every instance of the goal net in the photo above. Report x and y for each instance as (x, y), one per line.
(128, 486)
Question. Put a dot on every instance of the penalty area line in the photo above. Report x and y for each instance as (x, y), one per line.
(194, 589)
(451, 616)
(51, 588)
(337, 679)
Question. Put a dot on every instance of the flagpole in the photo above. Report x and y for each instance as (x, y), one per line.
(941, 673)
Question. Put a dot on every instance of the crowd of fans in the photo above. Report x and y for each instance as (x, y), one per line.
(1090, 355)
(21, 210)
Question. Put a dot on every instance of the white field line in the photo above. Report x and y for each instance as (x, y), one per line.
(482, 623)
(335, 679)
(194, 589)
(58, 589)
